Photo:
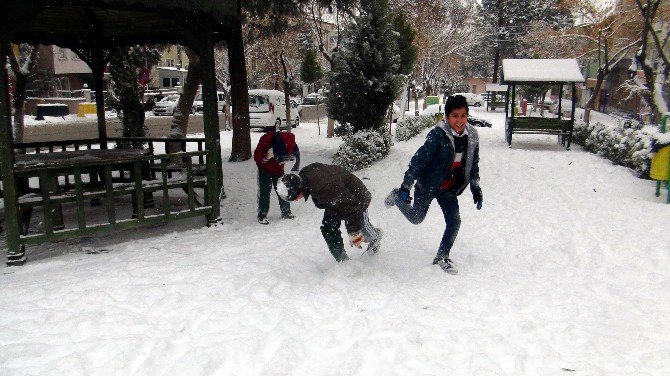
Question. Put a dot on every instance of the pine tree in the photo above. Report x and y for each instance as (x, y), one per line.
(365, 76)
(310, 70)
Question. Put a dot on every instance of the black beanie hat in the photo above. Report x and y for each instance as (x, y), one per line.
(454, 102)
(289, 186)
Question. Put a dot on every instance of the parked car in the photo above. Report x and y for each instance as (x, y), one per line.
(566, 107)
(167, 105)
(267, 109)
(312, 99)
(220, 99)
(473, 99)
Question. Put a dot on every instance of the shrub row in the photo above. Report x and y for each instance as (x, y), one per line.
(413, 125)
(363, 148)
(626, 144)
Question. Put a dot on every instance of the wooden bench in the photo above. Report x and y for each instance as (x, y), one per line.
(540, 125)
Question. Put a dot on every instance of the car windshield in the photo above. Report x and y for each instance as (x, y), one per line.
(170, 98)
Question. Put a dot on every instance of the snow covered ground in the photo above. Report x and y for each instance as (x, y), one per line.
(563, 272)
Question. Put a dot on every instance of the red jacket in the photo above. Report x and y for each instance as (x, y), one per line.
(265, 144)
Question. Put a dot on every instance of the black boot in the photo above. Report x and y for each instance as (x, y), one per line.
(335, 243)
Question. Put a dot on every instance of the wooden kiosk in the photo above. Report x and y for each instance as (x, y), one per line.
(560, 72)
(76, 177)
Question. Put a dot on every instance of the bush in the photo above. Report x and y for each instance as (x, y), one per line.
(625, 144)
(411, 126)
(362, 149)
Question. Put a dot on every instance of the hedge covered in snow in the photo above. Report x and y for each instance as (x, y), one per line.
(362, 148)
(627, 143)
(413, 125)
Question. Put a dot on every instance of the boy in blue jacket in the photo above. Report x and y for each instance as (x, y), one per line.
(442, 167)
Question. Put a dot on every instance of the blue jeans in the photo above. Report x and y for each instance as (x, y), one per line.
(416, 212)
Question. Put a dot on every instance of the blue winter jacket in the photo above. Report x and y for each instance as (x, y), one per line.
(432, 162)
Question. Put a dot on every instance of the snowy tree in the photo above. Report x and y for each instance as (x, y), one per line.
(443, 30)
(653, 56)
(609, 38)
(365, 76)
(511, 20)
(22, 62)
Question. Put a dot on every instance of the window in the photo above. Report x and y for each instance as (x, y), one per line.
(166, 82)
(175, 81)
(169, 62)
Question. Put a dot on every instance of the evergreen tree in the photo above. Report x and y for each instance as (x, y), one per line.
(365, 79)
(310, 70)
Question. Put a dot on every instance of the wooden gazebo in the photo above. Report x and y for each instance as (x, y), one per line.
(540, 72)
(53, 175)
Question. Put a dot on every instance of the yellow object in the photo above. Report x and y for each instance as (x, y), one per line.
(86, 108)
(660, 164)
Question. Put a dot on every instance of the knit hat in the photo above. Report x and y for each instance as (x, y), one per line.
(454, 102)
(290, 186)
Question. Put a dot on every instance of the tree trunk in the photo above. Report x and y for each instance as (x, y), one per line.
(179, 125)
(596, 92)
(19, 103)
(287, 90)
(239, 95)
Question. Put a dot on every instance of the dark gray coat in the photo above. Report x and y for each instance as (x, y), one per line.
(338, 191)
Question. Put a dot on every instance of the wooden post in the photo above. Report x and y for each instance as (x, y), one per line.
(211, 124)
(16, 254)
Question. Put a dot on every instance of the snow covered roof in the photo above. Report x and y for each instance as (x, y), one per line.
(541, 70)
(496, 87)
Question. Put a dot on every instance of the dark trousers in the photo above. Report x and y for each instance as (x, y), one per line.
(416, 211)
(265, 183)
(330, 229)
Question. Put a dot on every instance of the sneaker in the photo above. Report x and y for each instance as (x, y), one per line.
(288, 215)
(389, 201)
(446, 264)
(263, 219)
(373, 246)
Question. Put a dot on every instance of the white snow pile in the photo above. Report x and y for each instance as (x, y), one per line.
(564, 271)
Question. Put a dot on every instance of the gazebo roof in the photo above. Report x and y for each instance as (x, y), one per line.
(541, 70)
(74, 23)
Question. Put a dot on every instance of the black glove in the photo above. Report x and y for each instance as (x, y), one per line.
(477, 197)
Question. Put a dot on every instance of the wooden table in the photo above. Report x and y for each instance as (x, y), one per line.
(49, 166)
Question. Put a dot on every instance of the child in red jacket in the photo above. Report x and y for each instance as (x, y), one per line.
(273, 150)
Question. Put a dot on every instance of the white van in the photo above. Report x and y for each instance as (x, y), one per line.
(267, 109)
(220, 101)
(472, 99)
